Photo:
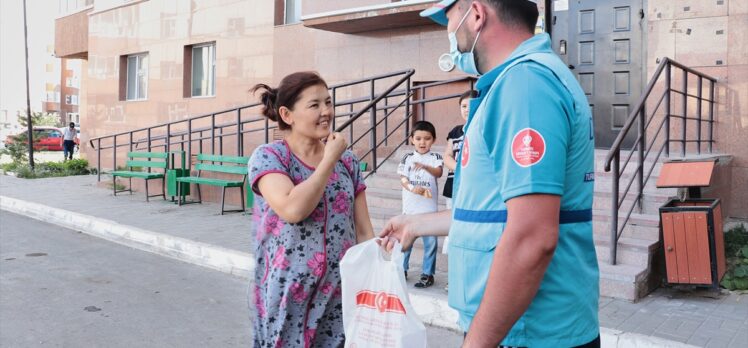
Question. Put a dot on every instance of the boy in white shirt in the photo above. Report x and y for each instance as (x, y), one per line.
(418, 173)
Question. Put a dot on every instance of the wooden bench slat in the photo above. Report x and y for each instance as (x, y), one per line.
(151, 164)
(239, 170)
(210, 181)
(225, 159)
(148, 155)
(142, 175)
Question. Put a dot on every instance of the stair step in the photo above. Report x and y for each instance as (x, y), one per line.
(625, 281)
(651, 202)
(630, 251)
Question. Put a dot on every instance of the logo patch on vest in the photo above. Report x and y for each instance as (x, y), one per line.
(528, 147)
(465, 152)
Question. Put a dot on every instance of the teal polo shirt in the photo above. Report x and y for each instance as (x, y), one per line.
(529, 132)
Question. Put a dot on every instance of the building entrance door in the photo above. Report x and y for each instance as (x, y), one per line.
(602, 42)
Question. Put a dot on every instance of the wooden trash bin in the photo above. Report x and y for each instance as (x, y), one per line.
(691, 228)
(693, 240)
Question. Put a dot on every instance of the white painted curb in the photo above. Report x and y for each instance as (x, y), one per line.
(202, 254)
(433, 311)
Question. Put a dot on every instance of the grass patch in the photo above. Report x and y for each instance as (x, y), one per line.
(117, 186)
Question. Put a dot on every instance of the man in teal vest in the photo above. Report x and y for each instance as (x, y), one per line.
(522, 265)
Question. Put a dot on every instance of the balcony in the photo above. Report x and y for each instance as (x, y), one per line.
(393, 15)
(71, 35)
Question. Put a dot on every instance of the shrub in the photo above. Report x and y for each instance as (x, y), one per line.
(736, 253)
(76, 167)
(52, 169)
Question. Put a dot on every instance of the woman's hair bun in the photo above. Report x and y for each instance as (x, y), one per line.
(268, 98)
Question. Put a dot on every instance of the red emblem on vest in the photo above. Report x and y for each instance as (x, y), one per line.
(381, 301)
(528, 147)
(465, 158)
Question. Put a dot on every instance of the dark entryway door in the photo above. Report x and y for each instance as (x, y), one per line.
(604, 48)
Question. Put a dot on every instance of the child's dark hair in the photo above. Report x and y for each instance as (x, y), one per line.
(425, 126)
(286, 94)
(469, 95)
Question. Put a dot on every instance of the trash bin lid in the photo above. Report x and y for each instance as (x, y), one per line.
(686, 174)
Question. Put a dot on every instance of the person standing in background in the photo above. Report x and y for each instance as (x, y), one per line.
(418, 172)
(69, 137)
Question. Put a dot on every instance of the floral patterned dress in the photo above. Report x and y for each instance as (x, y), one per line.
(297, 277)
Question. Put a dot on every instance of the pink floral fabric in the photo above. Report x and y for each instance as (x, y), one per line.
(297, 277)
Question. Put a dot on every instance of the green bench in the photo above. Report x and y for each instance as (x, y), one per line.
(234, 165)
(142, 160)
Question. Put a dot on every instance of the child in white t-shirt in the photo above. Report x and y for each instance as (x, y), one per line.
(418, 173)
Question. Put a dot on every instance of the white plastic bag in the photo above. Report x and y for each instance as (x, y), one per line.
(376, 308)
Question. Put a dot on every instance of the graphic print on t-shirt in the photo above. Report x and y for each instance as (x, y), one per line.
(413, 203)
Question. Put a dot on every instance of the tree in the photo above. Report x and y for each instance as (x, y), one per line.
(39, 119)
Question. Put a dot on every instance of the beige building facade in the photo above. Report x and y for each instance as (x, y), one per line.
(148, 62)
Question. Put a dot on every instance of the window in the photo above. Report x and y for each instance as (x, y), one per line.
(72, 82)
(137, 77)
(71, 99)
(203, 78)
(74, 117)
(53, 97)
(292, 11)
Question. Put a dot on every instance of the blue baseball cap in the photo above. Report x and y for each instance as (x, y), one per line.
(438, 12)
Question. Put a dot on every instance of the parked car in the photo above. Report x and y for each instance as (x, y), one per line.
(49, 138)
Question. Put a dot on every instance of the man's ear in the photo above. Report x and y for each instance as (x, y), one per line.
(285, 115)
(480, 14)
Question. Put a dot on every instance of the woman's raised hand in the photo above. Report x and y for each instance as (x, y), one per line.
(335, 146)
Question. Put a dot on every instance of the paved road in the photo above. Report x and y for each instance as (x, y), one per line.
(60, 288)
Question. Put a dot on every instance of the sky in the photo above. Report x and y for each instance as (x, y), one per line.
(40, 19)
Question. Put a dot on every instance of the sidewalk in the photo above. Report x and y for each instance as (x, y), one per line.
(199, 235)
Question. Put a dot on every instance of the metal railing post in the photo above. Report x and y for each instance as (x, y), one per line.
(130, 142)
(189, 143)
(386, 128)
(220, 142)
(614, 210)
(698, 112)
(212, 134)
(423, 105)
(239, 149)
(168, 137)
(149, 139)
(685, 113)
(667, 109)
(114, 153)
(373, 137)
(711, 114)
(334, 89)
(407, 109)
(641, 146)
(98, 159)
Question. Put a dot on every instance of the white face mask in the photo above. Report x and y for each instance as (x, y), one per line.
(464, 61)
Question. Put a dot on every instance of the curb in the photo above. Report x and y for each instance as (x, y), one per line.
(433, 311)
(201, 254)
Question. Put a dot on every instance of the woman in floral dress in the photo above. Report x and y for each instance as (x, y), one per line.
(310, 208)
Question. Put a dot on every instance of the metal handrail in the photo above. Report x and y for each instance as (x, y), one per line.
(167, 138)
(639, 113)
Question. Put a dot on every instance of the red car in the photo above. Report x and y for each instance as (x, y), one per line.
(49, 139)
